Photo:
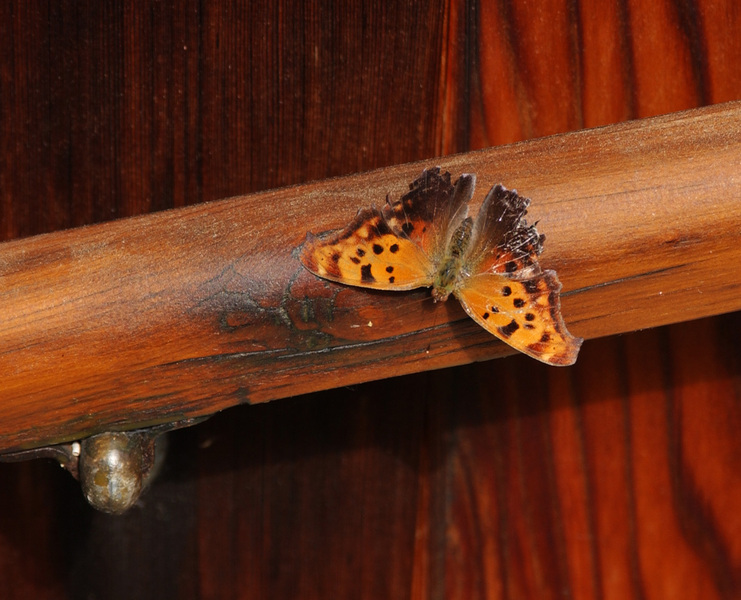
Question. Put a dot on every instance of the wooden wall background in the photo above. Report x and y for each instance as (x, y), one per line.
(618, 478)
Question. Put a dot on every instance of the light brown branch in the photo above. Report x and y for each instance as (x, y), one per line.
(186, 312)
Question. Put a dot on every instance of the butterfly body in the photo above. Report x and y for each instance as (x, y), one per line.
(451, 270)
(427, 239)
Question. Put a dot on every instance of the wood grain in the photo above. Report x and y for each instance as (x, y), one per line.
(616, 478)
(120, 325)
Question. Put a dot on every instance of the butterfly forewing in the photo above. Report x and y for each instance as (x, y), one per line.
(398, 247)
(431, 211)
(368, 253)
(501, 241)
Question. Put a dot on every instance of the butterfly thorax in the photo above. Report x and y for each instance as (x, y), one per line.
(450, 269)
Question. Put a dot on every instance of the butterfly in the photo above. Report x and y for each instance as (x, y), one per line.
(427, 239)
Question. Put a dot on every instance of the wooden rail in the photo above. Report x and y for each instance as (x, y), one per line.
(183, 313)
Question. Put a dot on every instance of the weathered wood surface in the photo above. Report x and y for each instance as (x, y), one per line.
(183, 313)
(617, 478)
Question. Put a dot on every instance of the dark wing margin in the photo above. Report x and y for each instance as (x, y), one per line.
(502, 241)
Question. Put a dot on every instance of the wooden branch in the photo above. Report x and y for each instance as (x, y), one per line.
(183, 313)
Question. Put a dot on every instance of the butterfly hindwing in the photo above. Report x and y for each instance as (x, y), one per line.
(367, 253)
(526, 314)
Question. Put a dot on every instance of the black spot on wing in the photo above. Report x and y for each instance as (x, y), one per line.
(531, 285)
(518, 302)
(380, 228)
(394, 248)
(360, 252)
(355, 259)
(389, 269)
(366, 276)
(506, 290)
(392, 279)
(485, 316)
(509, 328)
(377, 249)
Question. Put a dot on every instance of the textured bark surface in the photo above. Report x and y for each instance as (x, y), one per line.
(616, 478)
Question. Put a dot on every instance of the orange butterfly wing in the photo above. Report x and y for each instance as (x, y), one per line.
(506, 291)
(398, 247)
(368, 254)
(526, 314)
